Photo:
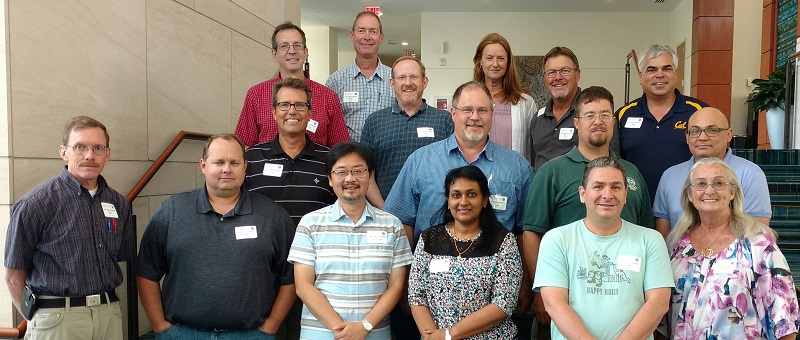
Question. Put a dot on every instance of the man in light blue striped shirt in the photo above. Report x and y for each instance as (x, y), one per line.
(363, 86)
(350, 258)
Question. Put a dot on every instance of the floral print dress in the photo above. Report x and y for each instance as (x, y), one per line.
(744, 292)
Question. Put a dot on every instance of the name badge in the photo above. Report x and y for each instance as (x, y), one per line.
(424, 132)
(498, 202)
(565, 133)
(273, 170)
(634, 123)
(722, 266)
(629, 262)
(350, 97)
(246, 232)
(376, 237)
(109, 210)
(312, 125)
(439, 266)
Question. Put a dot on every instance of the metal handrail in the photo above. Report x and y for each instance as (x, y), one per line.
(631, 55)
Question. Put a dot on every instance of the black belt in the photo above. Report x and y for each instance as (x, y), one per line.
(81, 301)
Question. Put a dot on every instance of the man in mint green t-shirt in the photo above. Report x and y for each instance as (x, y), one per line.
(602, 277)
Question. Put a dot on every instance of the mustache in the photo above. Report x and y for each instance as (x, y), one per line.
(88, 163)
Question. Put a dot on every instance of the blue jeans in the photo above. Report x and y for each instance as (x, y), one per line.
(183, 332)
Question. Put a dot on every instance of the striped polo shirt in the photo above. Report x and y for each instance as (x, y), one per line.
(352, 262)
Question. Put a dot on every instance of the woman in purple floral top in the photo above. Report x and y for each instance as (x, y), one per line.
(731, 280)
(466, 273)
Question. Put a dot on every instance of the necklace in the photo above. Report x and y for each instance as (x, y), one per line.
(455, 244)
(708, 252)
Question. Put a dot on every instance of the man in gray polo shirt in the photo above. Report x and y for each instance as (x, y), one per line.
(222, 253)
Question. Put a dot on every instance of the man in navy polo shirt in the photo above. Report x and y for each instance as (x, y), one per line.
(652, 128)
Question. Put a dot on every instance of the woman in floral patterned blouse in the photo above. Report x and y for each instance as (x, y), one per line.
(731, 280)
(466, 273)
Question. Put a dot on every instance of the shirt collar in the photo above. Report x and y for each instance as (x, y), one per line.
(338, 215)
(397, 110)
(549, 108)
(76, 186)
(577, 157)
(382, 71)
(451, 146)
(276, 150)
(726, 158)
(243, 206)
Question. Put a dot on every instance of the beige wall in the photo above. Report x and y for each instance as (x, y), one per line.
(147, 69)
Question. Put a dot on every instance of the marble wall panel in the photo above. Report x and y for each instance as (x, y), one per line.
(259, 8)
(252, 63)
(291, 11)
(71, 58)
(188, 69)
(5, 181)
(233, 16)
(174, 177)
(6, 319)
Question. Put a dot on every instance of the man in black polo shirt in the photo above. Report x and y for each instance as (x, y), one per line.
(221, 251)
(290, 169)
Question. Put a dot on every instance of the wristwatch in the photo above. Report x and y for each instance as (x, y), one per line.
(447, 334)
(367, 325)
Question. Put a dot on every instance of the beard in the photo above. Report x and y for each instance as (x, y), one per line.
(598, 141)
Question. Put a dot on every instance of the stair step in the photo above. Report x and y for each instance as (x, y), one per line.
(767, 157)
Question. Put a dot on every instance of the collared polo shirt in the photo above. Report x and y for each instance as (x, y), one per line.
(361, 96)
(554, 200)
(352, 261)
(66, 241)
(393, 135)
(754, 186)
(300, 185)
(418, 193)
(653, 146)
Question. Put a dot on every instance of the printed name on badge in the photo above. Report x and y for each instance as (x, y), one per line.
(498, 202)
(565, 133)
(377, 237)
(350, 97)
(634, 123)
(312, 126)
(273, 170)
(439, 266)
(629, 262)
(109, 210)
(424, 132)
(246, 232)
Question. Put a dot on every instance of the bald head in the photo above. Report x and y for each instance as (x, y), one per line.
(714, 133)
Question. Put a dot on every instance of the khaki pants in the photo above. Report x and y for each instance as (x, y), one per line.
(96, 322)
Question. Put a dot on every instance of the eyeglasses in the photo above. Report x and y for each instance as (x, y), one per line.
(606, 117)
(403, 79)
(81, 149)
(564, 72)
(300, 106)
(285, 47)
(358, 173)
(482, 111)
(710, 131)
(716, 185)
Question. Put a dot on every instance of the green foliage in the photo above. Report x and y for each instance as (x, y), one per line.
(770, 92)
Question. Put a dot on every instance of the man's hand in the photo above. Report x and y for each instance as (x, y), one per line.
(524, 301)
(433, 334)
(161, 326)
(349, 331)
(269, 326)
(538, 308)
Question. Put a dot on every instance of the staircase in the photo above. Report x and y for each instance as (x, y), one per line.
(782, 168)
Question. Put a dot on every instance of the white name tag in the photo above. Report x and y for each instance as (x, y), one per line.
(424, 132)
(498, 202)
(273, 170)
(312, 125)
(376, 237)
(350, 97)
(565, 133)
(629, 262)
(722, 266)
(109, 210)
(439, 266)
(246, 232)
(634, 123)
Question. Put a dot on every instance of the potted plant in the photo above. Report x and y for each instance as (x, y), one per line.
(770, 95)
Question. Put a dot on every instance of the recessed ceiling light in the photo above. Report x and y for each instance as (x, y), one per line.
(404, 43)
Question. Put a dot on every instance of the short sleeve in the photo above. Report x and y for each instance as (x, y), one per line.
(658, 270)
(401, 201)
(303, 250)
(551, 267)
(402, 249)
(416, 278)
(508, 276)
(24, 232)
(774, 292)
(757, 202)
(540, 202)
(152, 263)
(246, 128)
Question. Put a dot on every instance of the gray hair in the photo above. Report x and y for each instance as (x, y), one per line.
(741, 224)
(603, 162)
(653, 51)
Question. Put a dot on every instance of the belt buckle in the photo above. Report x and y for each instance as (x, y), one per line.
(92, 300)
